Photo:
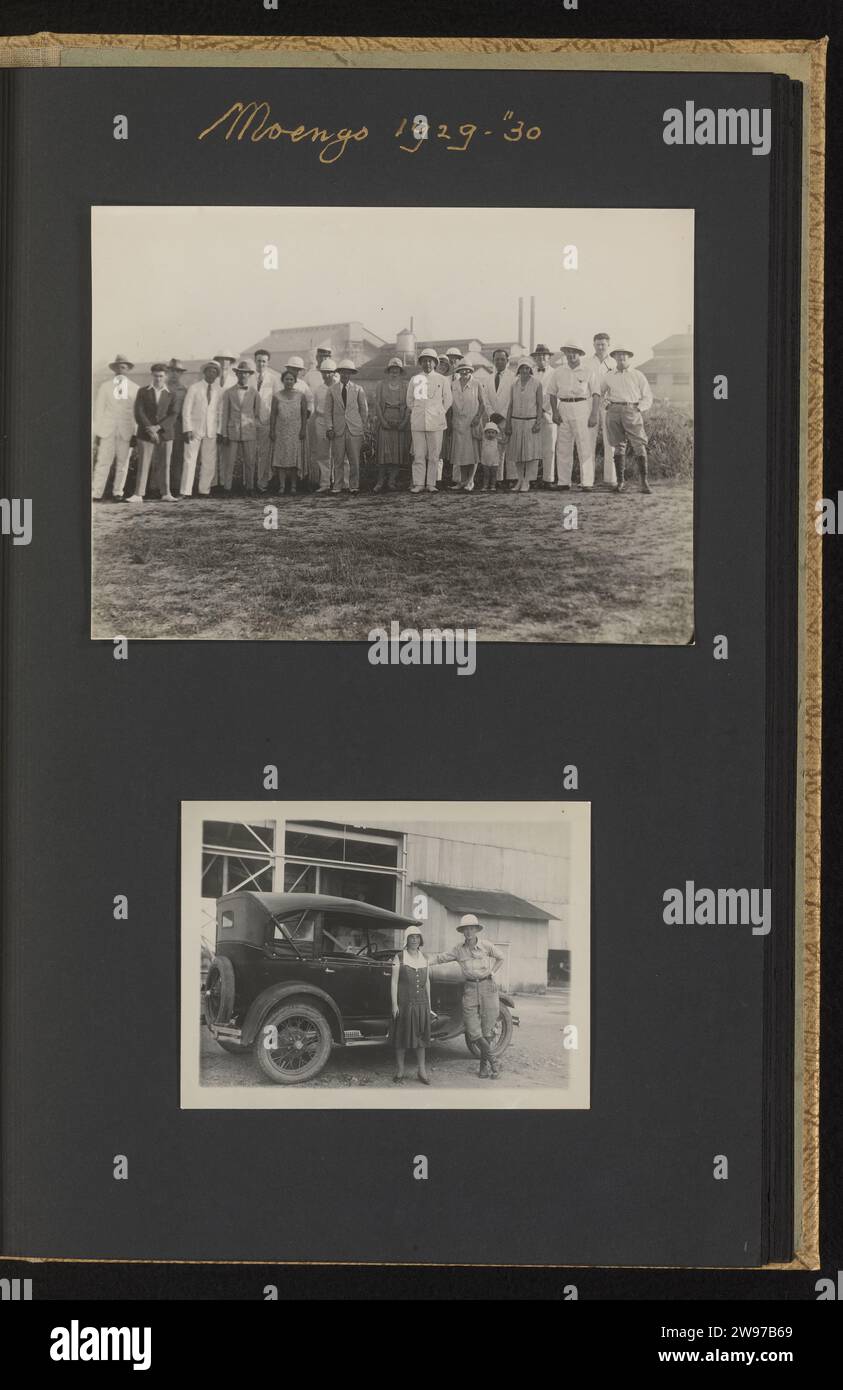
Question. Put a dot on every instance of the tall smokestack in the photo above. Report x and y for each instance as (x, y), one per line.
(411, 323)
(532, 321)
(520, 320)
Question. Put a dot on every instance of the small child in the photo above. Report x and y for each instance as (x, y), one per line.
(490, 456)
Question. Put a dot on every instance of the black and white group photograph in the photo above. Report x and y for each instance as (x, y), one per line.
(309, 422)
(377, 955)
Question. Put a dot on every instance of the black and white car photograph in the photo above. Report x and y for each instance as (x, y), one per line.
(370, 954)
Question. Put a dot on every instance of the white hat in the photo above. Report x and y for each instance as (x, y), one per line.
(469, 920)
(346, 365)
(453, 352)
(490, 425)
(226, 356)
(395, 362)
(429, 352)
(244, 365)
(525, 362)
(569, 345)
(296, 362)
(414, 930)
(324, 347)
(327, 365)
(463, 365)
(211, 363)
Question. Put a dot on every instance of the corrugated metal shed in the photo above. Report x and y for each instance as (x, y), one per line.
(484, 900)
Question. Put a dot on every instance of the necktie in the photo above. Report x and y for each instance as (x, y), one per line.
(344, 397)
(260, 380)
(209, 393)
(497, 380)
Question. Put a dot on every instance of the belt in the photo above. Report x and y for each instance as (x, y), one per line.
(523, 417)
(634, 404)
(478, 979)
(572, 400)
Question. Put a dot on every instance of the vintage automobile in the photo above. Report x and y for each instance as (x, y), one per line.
(297, 974)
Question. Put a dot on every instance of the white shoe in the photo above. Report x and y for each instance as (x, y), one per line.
(417, 489)
(134, 498)
(168, 497)
(469, 487)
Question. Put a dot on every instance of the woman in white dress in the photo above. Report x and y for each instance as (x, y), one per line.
(467, 415)
(523, 428)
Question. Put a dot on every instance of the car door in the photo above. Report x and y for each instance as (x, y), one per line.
(349, 975)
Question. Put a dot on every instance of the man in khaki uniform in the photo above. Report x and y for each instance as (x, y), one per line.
(479, 962)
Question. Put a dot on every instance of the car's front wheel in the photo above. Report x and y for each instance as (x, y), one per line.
(294, 1043)
(502, 1036)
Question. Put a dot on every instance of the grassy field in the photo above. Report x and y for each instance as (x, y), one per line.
(337, 567)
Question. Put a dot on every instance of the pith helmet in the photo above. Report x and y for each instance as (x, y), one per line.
(429, 352)
(627, 352)
(346, 365)
(469, 920)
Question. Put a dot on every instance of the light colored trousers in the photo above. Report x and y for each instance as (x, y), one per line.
(228, 460)
(548, 439)
(609, 475)
(147, 449)
(263, 450)
(573, 429)
(427, 451)
(319, 451)
(109, 448)
(345, 458)
(203, 449)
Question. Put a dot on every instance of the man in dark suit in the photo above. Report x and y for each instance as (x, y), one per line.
(238, 428)
(156, 416)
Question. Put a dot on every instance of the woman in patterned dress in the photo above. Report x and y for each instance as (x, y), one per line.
(287, 429)
(392, 417)
(523, 428)
(411, 1004)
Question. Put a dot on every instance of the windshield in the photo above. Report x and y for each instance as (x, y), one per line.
(356, 936)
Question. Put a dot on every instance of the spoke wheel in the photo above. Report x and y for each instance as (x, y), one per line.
(501, 1037)
(300, 1043)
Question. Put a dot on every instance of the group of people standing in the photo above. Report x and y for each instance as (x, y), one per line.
(309, 426)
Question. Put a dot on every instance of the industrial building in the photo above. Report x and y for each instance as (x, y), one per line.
(518, 877)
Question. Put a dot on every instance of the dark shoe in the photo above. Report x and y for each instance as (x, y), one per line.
(118, 497)
(484, 1068)
(645, 486)
(424, 1078)
(619, 487)
(398, 1077)
(494, 1070)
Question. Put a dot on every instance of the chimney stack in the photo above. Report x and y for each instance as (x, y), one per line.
(521, 320)
(532, 321)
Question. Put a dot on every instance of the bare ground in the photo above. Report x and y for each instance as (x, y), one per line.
(337, 567)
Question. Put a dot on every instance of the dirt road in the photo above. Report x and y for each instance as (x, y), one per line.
(535, 1058)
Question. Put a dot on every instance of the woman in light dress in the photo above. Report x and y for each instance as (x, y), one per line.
(393, 418)
(287, 430)
(468, 411)
(523, 428)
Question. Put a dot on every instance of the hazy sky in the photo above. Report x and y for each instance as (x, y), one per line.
(190, 281)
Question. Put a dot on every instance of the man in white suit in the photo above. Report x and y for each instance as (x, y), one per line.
(200, 427)
(114, 426)
(346, 413)
(600, 365)
(429, 399)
